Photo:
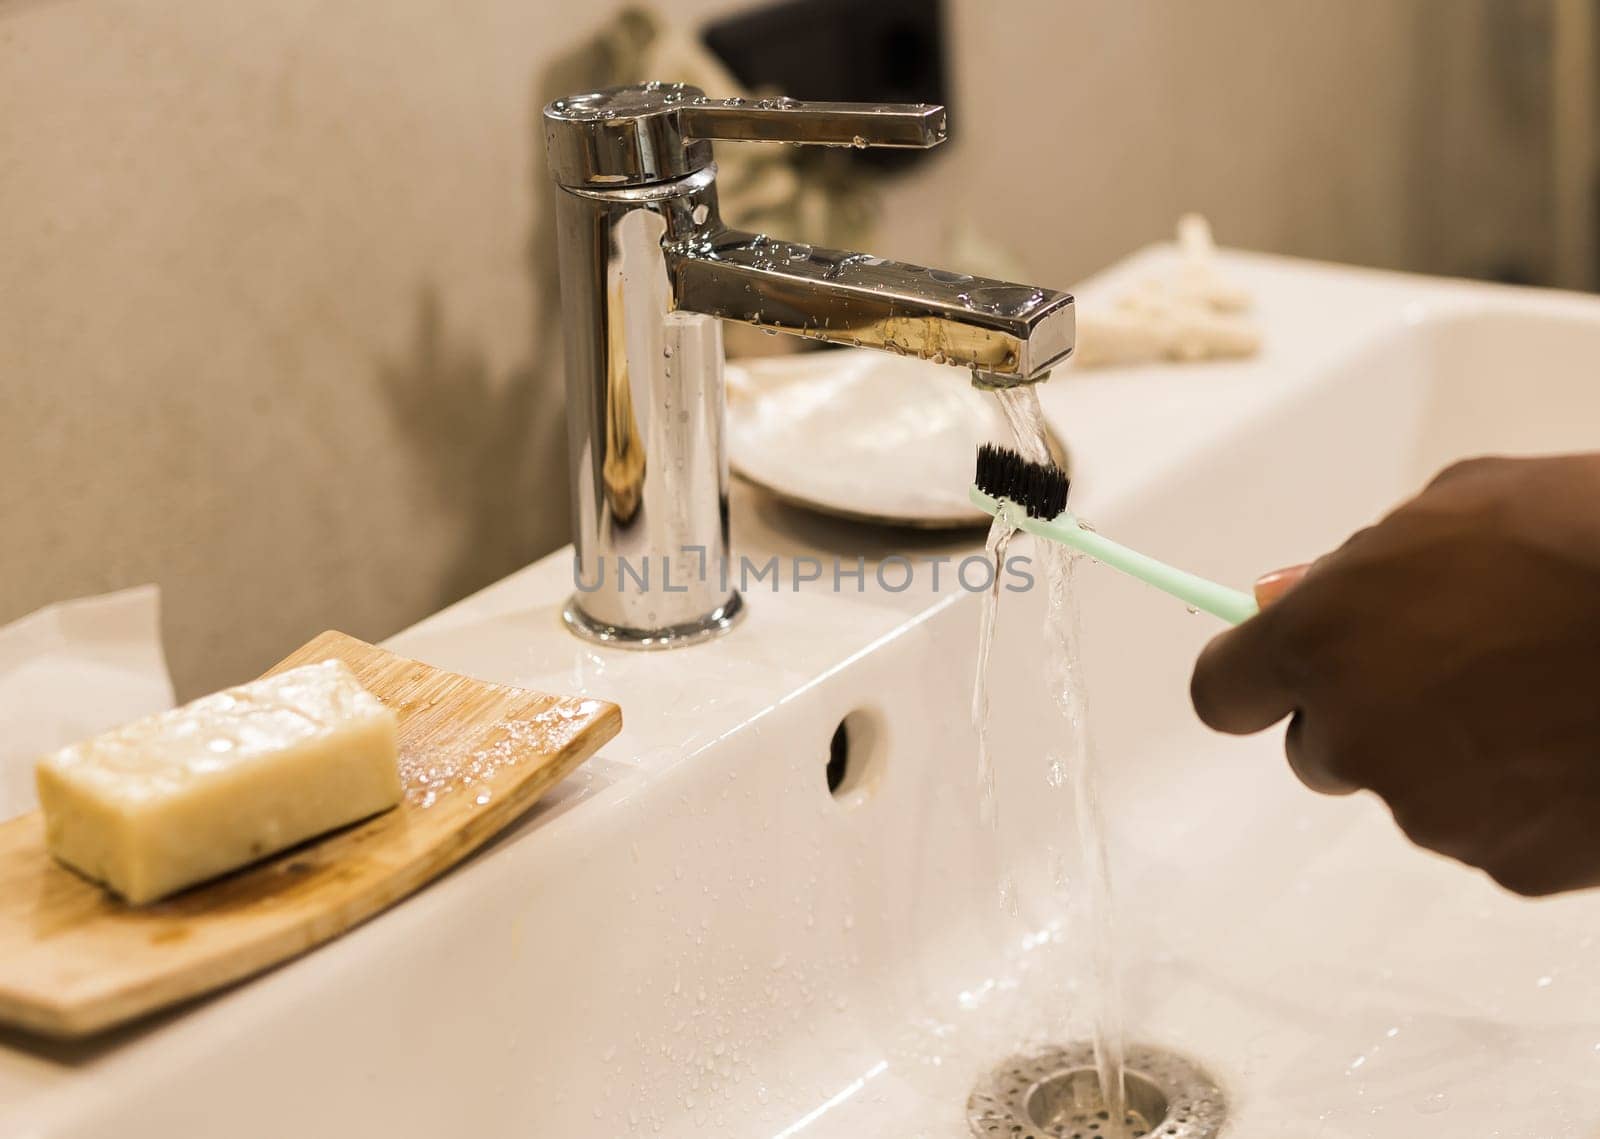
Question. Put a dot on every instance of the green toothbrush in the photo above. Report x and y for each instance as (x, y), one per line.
(1033, 498)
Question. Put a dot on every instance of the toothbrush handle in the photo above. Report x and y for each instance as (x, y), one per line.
(1231, 605)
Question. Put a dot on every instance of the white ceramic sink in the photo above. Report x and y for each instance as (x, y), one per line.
(693, 938)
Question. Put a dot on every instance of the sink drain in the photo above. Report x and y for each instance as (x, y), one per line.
(1055, 1094)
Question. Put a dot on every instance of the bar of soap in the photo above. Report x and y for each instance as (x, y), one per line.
(177, 798)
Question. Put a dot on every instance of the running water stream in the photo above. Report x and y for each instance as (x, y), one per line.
(1070, 761)
(998, 543)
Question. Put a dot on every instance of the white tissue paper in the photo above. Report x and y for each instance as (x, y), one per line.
(72, 670)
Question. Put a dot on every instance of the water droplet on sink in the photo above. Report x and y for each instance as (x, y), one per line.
(1434, 1104)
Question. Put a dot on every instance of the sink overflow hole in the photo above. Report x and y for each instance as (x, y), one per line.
(838, 758)
(855, 756)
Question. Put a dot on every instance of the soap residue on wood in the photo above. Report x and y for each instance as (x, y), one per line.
(431, 774)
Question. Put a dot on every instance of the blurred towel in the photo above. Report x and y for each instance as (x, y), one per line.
(1190, 313)
(72, 670)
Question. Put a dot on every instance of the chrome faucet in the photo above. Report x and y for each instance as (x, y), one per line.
(648, 272)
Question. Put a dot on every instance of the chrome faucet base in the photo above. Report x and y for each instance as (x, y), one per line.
(648, 274)
(713, 624)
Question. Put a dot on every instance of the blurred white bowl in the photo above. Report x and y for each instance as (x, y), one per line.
(862, 434)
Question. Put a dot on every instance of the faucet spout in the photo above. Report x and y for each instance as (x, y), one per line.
(1012, 334)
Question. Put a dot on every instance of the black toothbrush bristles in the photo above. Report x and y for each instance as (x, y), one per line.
(1039, 488)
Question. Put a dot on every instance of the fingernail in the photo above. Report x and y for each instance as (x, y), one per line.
(1271, 586)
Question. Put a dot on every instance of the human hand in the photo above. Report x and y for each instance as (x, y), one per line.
(1448, 659)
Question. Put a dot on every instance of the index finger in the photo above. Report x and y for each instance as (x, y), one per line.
(1240, 685)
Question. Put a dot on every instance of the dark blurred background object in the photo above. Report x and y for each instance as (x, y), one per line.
(886, 51)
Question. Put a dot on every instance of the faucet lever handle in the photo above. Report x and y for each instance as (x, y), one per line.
(904, 125)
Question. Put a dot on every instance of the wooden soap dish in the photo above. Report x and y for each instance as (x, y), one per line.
(74, 960)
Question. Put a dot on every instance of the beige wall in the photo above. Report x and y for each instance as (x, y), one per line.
(1399, 133)
(267, 313)
(271, 281)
